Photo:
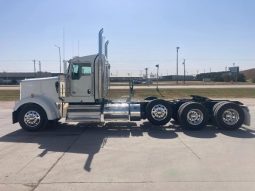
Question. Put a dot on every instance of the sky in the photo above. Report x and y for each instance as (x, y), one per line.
(142, 33)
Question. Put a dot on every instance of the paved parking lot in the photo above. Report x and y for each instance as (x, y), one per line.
(125, 156)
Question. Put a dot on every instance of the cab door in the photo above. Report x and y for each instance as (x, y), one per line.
(81, 83)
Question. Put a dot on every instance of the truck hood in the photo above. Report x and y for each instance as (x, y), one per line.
(39, 86)
(40, 79)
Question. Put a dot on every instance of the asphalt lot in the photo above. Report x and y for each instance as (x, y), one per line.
(125, 156)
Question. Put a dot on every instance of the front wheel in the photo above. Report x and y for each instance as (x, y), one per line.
(159, 112)
(32, 118)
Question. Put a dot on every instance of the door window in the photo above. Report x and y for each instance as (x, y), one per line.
(81, 69)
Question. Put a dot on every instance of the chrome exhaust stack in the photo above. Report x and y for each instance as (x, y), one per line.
(106, 48)
(100, 41)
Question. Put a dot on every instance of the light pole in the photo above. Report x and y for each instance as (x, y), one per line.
(59, 52)
(157, 66)
(177, 60)
(184, 72)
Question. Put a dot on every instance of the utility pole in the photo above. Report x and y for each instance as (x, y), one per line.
(157, 66)
(184, 72)
(177, 60)
(40, 68)
(146, 73)
(34, 68)
(59, 52)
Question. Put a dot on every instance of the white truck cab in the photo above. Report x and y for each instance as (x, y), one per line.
(82, 92)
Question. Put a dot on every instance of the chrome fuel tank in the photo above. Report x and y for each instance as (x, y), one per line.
(122, 112)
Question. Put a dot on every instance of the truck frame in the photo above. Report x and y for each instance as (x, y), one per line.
(80, 95)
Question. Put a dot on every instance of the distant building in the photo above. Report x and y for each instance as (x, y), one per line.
(124, 79)
(234, 69)
(222, 76)
(16, 77)
(179, 77)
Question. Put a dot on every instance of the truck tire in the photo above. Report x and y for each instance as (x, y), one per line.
(229, 116)
(175, 115)
(218, 105)
(32, 118)
(159, 112)
(193, 116)
(213, 121)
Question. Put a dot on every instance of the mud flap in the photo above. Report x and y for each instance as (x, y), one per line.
(247, 116)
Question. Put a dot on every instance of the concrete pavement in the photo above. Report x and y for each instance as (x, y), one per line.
(125, 156)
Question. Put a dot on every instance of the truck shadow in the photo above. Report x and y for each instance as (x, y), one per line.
(90, 139)
(212, 132)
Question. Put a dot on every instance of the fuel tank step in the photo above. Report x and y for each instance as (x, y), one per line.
(83, 113)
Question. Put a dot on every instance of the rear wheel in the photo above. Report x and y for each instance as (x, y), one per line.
(159, 112)
(193, 116)
(32, 118)
(229, 116)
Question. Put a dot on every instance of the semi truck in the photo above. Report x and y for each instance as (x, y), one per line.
(80, 94)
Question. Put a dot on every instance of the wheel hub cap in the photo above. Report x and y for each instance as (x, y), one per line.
(32, 118)
(159, 112)
(195, 117)
(230, 117)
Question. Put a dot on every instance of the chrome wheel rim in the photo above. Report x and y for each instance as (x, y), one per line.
(195, 117)
(32, 118)
(230, 116)
(159, 112)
